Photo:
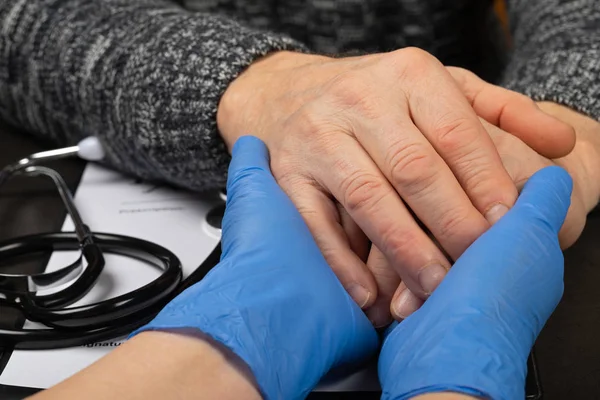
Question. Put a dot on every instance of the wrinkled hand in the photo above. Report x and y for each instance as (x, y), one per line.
(272, 300)
(521, 162)
(474, 333)
(357, 142)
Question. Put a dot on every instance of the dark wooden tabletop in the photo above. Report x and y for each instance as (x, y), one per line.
(568, 350)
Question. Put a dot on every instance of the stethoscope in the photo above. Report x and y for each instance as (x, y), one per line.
(67, 326)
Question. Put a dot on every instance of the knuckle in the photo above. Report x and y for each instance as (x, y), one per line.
(327, 146)
(465, 80)
(416, 55)
(309, 121)
(484, 177)
(454, 134)
(352, 91)
(288, 177)
(461, 75)
(453, 223)
(483, 180)
(400, 243)
(412, 60)
(361, 191)
(411, 167)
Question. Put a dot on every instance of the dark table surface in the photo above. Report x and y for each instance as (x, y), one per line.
(568, 350)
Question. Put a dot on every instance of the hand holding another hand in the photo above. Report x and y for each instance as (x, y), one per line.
(275, 303)
(272, 300)
(474, 333)
(521, 162)
(357, 142)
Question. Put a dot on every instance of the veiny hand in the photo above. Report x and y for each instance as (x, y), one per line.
(357, 142)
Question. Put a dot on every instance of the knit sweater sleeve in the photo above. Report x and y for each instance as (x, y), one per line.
(556, 52)
(144, 76)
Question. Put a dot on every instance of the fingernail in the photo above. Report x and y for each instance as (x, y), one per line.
(495, 213)
(379, 316)
(405, 304)
(359, 294)
(431, 276)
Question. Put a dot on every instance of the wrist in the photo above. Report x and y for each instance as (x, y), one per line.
(468, 358)
(158, 365)
(243, 107)
(197, 364)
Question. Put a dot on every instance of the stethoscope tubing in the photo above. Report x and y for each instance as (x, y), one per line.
(67, 325)
(130, 319)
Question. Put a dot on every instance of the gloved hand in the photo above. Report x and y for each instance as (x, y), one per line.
(474, 333)
(272, 300)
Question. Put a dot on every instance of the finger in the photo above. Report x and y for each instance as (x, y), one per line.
(357, 183)
(517, 114)
(358, 241)
(422, 179)
(546, 197)
(454, 130)
(519, 256)
(404, 303)
(387, 282)
(521, 162)
(249, 153)
(249, 184)
(321, 216)
(511, 278)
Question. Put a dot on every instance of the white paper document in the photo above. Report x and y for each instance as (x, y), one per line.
(112, 203)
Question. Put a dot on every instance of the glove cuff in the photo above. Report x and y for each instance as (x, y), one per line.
(452, 360)
(437, 389)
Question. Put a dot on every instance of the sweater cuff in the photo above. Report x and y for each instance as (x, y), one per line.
(567, 77)
(178, 80)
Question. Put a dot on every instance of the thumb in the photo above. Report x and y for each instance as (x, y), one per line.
(517, 262)
(517, 114)
(474, 332)
(522, 248)
(249, 156)
(546, 198)
(256, 206)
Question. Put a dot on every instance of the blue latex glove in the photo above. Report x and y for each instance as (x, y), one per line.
(474, 333)
(272, 300)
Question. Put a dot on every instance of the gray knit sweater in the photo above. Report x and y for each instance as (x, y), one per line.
(146, 76)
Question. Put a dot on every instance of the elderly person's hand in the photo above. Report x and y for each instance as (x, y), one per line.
(521, 162)
(365, 144)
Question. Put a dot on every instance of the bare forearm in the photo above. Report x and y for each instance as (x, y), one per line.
(156, 365)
